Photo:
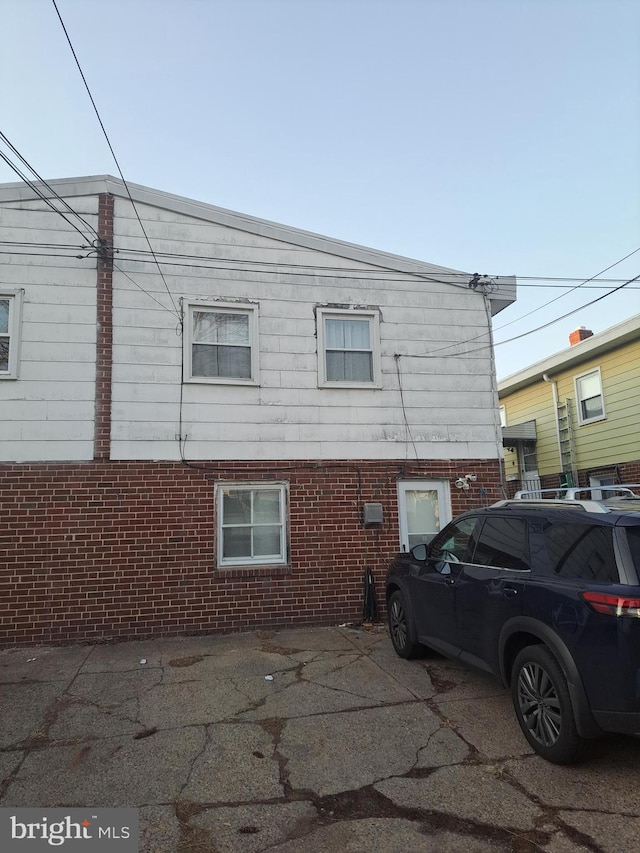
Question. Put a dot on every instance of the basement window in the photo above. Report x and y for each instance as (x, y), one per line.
(251, 525)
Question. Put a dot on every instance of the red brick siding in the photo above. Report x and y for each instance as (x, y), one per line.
(108, 550)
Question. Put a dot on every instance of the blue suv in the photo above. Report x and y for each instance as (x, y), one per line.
(544, 594)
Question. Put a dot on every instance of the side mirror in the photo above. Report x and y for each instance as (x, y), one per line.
(419, 552)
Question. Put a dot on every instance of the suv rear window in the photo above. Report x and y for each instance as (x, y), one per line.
(582, 551)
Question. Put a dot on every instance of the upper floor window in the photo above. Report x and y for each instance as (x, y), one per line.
(348, 348)
(589, 398)
(221, 343)
(10, 314)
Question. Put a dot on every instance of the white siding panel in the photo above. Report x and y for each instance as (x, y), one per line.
(47, 413)
(46, 431)
(51, 451)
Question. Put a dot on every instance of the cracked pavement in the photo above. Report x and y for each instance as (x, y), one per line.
(345, 747)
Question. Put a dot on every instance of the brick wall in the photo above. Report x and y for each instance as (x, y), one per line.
(110, 550)
(622, 472)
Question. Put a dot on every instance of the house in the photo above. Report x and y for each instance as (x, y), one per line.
(210, 422)
(572, 418)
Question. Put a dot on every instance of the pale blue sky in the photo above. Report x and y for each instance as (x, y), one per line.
(497, 136)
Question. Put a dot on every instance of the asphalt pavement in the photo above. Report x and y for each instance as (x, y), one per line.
(299, 741)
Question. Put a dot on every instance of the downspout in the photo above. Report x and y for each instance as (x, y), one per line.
(496, 400)
(554, 388)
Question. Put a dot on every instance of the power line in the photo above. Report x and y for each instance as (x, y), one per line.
(577, 287)
(113, 153)
(363, 273)
(35, 189)
(517, 319)
(434, 353)
(48, 186)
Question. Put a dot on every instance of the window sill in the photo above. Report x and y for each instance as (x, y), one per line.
(215, 380)
(597, 420)
(232, 572)
(371, 386)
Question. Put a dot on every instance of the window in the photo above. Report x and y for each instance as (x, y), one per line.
(348, 348)
(10, 315)
(251, 524)
(503, 544)
(454, 544)
(503, 416)
(590, 402)
(221, 343)
(582, 551)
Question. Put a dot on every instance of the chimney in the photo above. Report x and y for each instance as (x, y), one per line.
(580, 334)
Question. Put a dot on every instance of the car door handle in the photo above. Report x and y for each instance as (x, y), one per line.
(450, 581)
(509, 592)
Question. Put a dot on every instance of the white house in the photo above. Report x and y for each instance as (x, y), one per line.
(218, 421)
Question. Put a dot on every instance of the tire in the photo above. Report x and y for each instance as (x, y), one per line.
(400, 627)
(543, 707)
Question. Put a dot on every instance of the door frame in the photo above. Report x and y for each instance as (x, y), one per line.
(444, 504)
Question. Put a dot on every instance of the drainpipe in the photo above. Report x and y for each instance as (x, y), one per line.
(554, 388)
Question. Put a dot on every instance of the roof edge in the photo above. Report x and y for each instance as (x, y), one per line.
(605, 341)
(95, 184)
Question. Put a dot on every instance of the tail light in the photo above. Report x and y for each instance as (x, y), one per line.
(612, 605)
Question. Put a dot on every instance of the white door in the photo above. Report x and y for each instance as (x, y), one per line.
(424, 507)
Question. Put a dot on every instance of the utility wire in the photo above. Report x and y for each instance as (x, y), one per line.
(39, 193)
(113, 154)
(363, 273)
(434, 353)
(577, 287)
(544, 305)
(10, 145)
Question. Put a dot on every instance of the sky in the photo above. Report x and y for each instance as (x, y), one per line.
(492, 136)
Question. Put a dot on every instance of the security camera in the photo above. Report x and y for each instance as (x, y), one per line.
(461, 484)
(472, 477)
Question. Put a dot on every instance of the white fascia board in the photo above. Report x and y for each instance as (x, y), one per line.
(93, 185)
(611, 339)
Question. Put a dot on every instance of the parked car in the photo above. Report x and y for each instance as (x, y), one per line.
(543, 593)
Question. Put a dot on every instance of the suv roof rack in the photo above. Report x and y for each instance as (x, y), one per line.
(558, 503)
(570, 493)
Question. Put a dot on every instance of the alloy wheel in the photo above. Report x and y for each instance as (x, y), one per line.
(398, 624)
(539, 703)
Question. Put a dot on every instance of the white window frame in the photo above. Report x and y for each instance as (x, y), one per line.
(273, 560)
(248, 310)
(576, 381)
(440, 487)
(373, 317)
(14, 325)
(503, 416)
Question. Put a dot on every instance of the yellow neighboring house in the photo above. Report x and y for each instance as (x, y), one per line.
(574, 418)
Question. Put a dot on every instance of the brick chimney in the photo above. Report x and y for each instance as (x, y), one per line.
(579, 334)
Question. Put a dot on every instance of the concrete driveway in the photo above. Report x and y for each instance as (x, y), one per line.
(300, 741)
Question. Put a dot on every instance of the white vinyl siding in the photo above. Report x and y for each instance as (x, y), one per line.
(251, 524)
(348, 348)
